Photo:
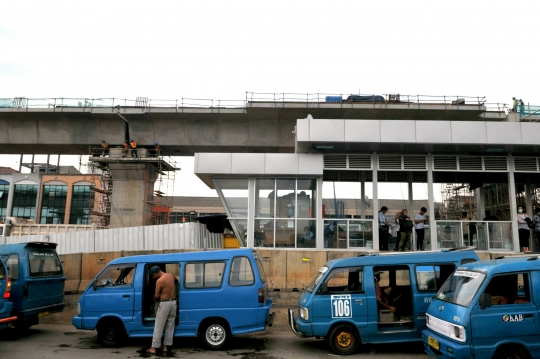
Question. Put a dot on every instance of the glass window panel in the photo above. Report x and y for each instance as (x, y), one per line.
(285, 233)
(81, 202)
(264, 233)
(53, 204)
(4, 189)
(240, 229)
(361, 234)
(24, 201)
(305, 234)
(235, 196)
(241, 272)
(286, 198)
(264, 198)
(306, 198)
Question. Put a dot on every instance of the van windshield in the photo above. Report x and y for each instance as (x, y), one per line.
(316, 279)
(461, 288)
(44, 263)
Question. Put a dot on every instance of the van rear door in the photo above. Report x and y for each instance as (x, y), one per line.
(45, 283)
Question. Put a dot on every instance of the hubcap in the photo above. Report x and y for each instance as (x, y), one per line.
(344, 339)
(215, 334)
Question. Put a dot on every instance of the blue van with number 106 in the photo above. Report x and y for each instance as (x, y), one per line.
(219, 294)
(341, 303)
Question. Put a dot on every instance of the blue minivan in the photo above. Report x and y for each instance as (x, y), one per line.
(489, 309)
(220, 293)
(344, 301)
(5, 293)
(37, 281)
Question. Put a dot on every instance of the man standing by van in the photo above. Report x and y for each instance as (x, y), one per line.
(165, 297)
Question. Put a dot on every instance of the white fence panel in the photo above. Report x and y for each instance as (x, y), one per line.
(168, 236)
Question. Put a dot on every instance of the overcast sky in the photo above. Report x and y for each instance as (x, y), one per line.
(221, 49)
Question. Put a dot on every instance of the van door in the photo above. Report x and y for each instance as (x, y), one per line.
(341, 297)
(111, 292)
(511, 313)
(429, 278)
(44, 285)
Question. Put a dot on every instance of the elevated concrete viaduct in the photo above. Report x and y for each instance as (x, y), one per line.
(260, 127)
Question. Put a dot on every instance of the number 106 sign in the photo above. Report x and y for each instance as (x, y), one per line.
(341, 306)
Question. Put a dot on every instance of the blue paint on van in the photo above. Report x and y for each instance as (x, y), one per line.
(220, 293)
(340, 303)
(37, 280)
(487, 309)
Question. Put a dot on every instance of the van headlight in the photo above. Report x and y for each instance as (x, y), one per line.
(304, 313)
(459, 333)
(78, 308)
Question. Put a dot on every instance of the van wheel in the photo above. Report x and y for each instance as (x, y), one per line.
(111, 334)
(343, 339)
(215, 336)
(511, 353)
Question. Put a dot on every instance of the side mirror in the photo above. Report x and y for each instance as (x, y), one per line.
(94, 285)
(485, 301)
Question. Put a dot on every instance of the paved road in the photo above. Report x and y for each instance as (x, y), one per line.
(57, 341)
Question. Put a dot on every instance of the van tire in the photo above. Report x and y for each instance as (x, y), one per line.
(343, 339)
(511, 352)
(111, 333)
(215, 335)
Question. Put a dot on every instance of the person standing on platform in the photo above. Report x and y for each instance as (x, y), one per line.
(133, 146)
(523, 229)
(125, 148)
(157, 149)
(405, 227)
(383, 229)
(398, 233)
(419, 221)
(514, 104)
(521, 108)
(104, 149)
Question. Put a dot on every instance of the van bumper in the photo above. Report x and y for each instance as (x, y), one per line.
(77, 322)
(448, 349)
(302, 330)
(33, 313)
(270, 319)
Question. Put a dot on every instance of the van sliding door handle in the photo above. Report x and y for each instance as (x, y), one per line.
(126, 296)
(528, 316)
(358, 300)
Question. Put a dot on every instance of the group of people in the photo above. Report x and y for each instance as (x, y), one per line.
(404, 227)
(126, 147)
(518, 105)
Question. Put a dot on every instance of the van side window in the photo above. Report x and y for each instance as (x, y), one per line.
(509, 289)
(342, 280)
(13, 267)
(204, 275)
(429, 278)
(115, 275)
(241, 272)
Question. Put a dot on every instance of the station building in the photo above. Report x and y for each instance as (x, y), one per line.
(458, 158)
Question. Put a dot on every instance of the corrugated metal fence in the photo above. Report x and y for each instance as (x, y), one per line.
(167, 236)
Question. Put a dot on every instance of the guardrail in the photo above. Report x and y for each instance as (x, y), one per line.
(251, 97)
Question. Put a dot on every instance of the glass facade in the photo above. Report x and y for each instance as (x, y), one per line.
(24, 201)
(234, 195)
(80, 205)
(4, 193)
(53, 204)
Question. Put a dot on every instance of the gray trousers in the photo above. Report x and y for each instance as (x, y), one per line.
(165, 315)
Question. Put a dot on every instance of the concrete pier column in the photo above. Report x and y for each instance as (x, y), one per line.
(133, 190)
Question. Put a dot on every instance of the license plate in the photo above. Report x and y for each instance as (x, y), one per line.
(42, 314)
(433, 342)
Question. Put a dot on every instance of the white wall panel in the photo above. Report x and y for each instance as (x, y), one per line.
(530, 133)
(302, 130)
(503, 132)
(398, 131)
(281, 163)
(248, 163)
(362, 131)
(213, 162)
(468, 132)
(433, 132)
(310, 164)
(327, 130)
